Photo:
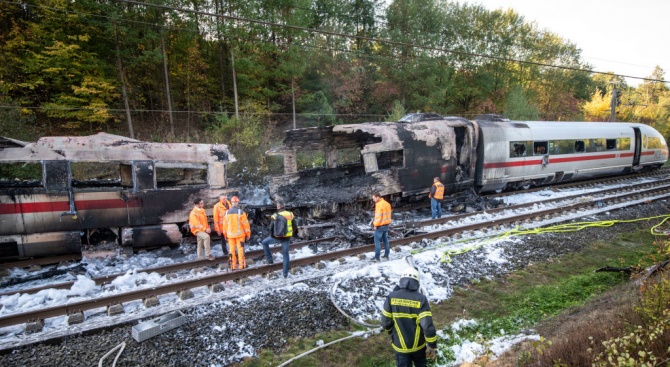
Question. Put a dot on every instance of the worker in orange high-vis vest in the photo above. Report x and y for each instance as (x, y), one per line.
(381, 225)
(436, 195)
(220, 209)
(236, 230)
(199, 225)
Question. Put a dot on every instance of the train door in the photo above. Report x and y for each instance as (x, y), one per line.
(638, 147)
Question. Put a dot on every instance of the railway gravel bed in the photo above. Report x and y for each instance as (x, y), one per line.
(227, 331)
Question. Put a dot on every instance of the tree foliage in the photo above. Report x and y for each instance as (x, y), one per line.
(335, 61)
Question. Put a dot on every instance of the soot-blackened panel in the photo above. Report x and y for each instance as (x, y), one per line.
(144, 175)
(422, 163)
(56, 175)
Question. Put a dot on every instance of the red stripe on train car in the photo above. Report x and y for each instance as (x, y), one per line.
(552, 159)
(41, 207)
(62, 206)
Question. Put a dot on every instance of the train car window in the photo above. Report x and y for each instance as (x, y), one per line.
(594, 145)
(518, 148)
(390, 159)
(540, 147)
(623, 144)
(562, 147)
(170, 177)
(95, 174)
(21, 174)
(579, 146)
(654, 143)
(349, 156)
(610, 144)
(56, 175)
(311, 159)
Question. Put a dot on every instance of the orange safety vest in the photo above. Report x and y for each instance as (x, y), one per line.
(219, 212)
(197, 220)
(235, 224)
(382, 213)
(439, 191)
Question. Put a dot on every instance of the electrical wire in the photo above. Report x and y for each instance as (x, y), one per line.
(561, 228)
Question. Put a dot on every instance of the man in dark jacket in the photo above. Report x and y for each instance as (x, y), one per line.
(405, 311)
(282, 227)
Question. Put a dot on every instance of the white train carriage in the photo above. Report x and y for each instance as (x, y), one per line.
(520, 154)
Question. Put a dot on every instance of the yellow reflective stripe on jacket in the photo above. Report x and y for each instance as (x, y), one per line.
(417, 333)
(405, 302)
(382, 213)
(289, 225)
(408, 350)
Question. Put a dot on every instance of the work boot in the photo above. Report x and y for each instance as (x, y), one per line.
(385, 258)
(375, 260)
(210, 257)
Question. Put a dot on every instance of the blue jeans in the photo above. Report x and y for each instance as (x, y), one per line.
(284, 250)
(436, 208)
(406, 359)
(382, 234)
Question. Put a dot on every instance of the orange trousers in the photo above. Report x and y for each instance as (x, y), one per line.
(236, 249)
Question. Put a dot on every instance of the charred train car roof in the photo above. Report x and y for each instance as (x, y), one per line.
(104, 147)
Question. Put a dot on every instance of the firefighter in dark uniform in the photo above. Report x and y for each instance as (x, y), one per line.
(407, 318)
(436, 195)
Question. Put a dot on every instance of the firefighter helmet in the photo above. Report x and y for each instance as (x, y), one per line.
(410, 273)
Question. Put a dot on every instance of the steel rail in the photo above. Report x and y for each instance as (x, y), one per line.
(40, 261)
(106, 279)
(81, 306)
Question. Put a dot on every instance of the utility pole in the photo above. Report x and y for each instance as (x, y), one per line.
(613, 104)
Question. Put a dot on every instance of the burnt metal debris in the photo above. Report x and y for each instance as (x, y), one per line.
(391, 158)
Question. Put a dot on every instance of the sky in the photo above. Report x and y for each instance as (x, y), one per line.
(621, 36)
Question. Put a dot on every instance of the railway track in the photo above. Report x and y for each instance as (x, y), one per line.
(221, 261)
(625, 196)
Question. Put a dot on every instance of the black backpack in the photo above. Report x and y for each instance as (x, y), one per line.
(280, 226)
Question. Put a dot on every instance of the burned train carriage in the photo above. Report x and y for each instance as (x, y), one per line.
(82, 189)
(398, 159)
(487, 154)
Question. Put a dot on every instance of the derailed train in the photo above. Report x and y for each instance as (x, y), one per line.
(152, 185)
(489, 153)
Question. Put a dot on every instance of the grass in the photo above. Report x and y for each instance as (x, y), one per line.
(547, 296)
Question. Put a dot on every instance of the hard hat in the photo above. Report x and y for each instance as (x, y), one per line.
(410, 273)
(235, 199)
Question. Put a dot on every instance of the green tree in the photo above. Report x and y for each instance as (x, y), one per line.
(518, 107)
(316, 109)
